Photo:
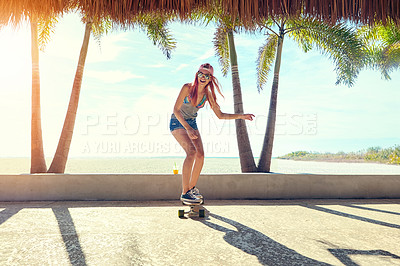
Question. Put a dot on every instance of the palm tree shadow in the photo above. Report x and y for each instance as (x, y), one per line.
(351, 216)
(370, 209)
(268, 251)
(69, 236)
(8, 213)
(343, 255)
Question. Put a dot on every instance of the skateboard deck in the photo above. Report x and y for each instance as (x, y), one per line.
(195, 210)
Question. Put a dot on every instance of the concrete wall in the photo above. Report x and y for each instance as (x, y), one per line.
(212, 186)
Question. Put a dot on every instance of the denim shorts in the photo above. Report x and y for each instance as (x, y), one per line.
(175, 124)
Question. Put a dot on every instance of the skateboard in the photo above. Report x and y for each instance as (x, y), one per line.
(195, 210)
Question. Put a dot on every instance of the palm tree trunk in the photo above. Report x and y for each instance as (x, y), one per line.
(245, 153)
(264, 164)
(60, 158)
(38, 163)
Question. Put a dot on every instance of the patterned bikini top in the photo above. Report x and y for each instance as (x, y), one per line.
(201, 103)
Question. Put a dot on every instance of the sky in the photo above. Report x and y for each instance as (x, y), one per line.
(129, 89)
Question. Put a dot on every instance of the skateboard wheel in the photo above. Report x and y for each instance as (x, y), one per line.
(201, 213)
(181, 213)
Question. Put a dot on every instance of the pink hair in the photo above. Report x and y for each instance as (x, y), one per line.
(212, 84)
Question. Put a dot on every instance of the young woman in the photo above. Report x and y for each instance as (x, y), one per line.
(183, 126)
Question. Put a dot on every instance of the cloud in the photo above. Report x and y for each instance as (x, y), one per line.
(109, 48)
(181, 66)
(112, 76)
(156, 65)
(209, 53)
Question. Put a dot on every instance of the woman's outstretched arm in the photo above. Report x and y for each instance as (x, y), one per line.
(215, 107)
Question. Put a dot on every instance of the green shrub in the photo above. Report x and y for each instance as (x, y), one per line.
(394, 157)
(375, 154)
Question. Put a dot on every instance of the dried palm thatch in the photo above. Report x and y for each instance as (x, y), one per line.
(365, 11)
(249, 11)
(14, 11)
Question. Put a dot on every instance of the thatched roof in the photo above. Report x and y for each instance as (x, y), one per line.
(365, 11)
(121, 11)
(14, 11)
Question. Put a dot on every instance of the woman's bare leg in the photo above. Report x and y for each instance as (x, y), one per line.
(198, 162)
(184, 140)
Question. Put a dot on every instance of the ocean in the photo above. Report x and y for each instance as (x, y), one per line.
(211, 165)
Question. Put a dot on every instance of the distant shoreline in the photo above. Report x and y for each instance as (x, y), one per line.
(371, 155)
(327, 160)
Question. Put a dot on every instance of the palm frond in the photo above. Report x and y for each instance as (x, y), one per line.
(390, 53)
(382, 46)
(202, 16)
(368, 34)
(266, 56)
(46, 28)
(338, 42)
(221, 46)
(157, 31)
(390, 59)
(101, 27)
(392, 32)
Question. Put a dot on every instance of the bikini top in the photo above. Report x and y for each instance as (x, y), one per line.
(201, 104)
(189, 111)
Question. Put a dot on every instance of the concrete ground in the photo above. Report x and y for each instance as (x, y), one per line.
(273, 232)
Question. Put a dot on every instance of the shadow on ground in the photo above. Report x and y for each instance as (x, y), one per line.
(344, 255)
(7, 213)
(242, 237)
(351, 216)
(69, 236)
(253, 242)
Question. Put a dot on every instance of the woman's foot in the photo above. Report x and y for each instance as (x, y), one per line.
(196, 193)
(189, 197)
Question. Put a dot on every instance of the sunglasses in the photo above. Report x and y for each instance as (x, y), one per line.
(206, 76)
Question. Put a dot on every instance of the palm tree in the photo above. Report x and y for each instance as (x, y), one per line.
(225, 49)
(41, 29)
(224, 45)
(12, 13)
(156, 31)
(64, 143)
(38, 163)
(40, 34)
(337, 41)
(382, 46)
